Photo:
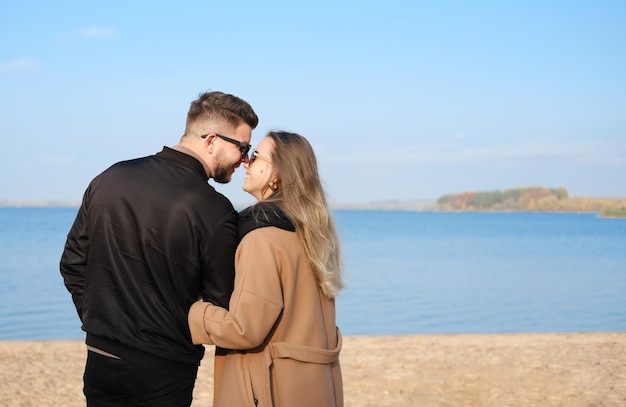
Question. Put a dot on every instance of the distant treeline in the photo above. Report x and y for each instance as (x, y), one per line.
(532, 199)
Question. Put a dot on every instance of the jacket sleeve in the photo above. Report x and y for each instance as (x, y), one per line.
(255, 305)
(218, 270)
(74, 258)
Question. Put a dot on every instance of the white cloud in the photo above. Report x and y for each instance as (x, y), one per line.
(18, 65)
(97, 32)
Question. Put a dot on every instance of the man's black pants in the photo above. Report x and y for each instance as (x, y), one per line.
(111, 382)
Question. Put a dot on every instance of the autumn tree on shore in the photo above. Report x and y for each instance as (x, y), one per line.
(531, 199)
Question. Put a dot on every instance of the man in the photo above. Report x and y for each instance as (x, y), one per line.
(149, 239)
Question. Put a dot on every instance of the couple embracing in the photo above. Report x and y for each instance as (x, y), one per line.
(158, 263)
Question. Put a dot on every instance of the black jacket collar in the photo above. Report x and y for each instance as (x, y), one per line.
(183, 159)
(262, 215)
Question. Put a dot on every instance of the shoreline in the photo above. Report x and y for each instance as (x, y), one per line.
(547, 369)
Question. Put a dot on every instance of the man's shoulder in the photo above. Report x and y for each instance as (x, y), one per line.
(220, 203)
(209, 204)
(131, 162)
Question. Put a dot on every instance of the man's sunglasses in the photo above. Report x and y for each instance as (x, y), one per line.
(243, 147)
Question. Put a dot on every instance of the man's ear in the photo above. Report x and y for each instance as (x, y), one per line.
(209, 142)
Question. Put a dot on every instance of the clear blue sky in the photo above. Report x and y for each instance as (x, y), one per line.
(402, 100)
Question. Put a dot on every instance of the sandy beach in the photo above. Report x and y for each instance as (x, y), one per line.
(582, 369)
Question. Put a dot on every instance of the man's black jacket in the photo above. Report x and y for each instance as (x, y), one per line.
(150, 238)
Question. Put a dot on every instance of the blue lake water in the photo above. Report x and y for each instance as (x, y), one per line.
(406, 273)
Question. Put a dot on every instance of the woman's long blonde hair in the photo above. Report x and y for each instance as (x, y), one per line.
(300, 195)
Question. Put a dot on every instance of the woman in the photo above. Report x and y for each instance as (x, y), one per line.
(278, 344)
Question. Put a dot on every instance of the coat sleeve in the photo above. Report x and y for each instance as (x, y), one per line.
(256, 302)
(74, 258)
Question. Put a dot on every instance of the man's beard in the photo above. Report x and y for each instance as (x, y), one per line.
(222, 172)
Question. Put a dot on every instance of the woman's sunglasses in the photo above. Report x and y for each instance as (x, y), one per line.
(254, 155)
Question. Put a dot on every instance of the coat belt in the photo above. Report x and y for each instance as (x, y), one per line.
(307, 354)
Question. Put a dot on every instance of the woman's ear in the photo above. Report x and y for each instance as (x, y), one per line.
(274, 184)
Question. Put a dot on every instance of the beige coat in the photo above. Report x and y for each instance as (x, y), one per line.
(282, 325)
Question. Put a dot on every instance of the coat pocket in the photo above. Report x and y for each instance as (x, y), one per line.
(251, 399)
(258, 378)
